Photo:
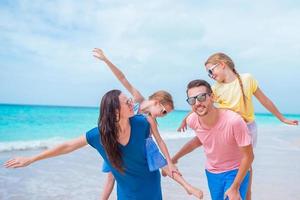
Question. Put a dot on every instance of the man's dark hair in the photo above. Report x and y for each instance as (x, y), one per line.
(197, 83)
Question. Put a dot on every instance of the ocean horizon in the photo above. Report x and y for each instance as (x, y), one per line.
(24, 127)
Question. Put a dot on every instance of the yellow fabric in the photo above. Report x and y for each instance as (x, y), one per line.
(229, 96)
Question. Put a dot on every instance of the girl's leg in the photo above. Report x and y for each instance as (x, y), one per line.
(188, 187)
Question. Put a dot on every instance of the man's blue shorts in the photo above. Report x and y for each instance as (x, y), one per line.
(219, 183)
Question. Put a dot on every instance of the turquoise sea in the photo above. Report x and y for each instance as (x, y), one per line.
(28, 127)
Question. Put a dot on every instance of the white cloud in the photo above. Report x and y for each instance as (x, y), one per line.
(158, 44)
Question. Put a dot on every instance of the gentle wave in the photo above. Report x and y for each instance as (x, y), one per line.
(30, 145)
(49, 143)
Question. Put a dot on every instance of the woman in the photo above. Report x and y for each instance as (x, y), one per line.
(120, 140)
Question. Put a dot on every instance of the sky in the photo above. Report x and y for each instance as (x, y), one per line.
(46, 47)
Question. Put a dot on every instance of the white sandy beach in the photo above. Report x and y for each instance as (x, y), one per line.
(78, 175)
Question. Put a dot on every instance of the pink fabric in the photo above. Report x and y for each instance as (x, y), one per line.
(221, 143)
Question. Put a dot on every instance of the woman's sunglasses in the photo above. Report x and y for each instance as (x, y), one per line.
(129, 101)
(200, 97)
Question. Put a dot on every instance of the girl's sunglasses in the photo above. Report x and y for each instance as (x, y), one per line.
(210, 71)
(200, 97)
(163, 110)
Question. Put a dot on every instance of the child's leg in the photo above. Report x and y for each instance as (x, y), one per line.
(188, 187)
(108, 187)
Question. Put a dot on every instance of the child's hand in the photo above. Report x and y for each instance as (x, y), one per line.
(173, 169)
(98, 53)
(183, 126)
(290, 122)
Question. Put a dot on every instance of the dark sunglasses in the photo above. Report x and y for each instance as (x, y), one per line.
(200, 97)
(210, 71)
(163, 111)
(129, 101)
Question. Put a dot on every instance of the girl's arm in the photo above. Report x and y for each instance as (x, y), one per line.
(162, 145)
(64, 148)
(98, 53)
(183, 125)
(268, 104)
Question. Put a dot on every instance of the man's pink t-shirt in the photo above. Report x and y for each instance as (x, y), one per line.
(221, 143)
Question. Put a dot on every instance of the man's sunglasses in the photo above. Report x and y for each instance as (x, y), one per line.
(200, 97)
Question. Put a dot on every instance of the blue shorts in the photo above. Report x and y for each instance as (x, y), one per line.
(219, 183)
(154, 158)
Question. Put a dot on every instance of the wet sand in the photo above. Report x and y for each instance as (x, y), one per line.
(78, 175)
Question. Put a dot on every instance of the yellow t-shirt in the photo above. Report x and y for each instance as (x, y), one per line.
(229, 96)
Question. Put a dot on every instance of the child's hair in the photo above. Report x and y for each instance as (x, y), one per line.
(221, 57)
(163, 97)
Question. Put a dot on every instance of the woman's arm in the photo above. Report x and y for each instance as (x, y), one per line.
(64, 148)
(269, 105)
(98, 53)
(108, 187)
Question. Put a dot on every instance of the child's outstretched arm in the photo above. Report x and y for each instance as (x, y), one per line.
(268, 104)
(64, 148)
(183, 125)
(162, 146)
(98, 53)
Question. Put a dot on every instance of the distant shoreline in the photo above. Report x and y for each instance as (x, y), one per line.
(97, 107)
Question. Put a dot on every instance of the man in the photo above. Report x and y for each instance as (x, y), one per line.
(226, 142)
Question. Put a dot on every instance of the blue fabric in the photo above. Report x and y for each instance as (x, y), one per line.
(136, 108)
(105, 167)
(219, 183)
(154, 158)
(137, 182)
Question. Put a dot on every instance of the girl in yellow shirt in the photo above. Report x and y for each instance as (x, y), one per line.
(234, 91)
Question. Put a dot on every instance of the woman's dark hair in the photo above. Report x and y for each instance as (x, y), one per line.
(109, 127)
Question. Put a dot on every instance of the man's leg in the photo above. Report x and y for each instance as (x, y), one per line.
(216, 185)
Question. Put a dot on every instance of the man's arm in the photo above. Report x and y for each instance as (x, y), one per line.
(247, 159)
(187, 148)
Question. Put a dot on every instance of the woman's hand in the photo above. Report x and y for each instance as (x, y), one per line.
(18, 162)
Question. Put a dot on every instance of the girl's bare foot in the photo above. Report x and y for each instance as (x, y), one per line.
(195, 191)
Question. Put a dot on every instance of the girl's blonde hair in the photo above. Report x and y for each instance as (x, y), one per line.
(222, 57)
(163, 97)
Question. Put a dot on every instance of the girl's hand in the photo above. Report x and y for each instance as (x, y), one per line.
(183, 126)
(173, 169)
(290, 122)
(98, 53)
(18, 162)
